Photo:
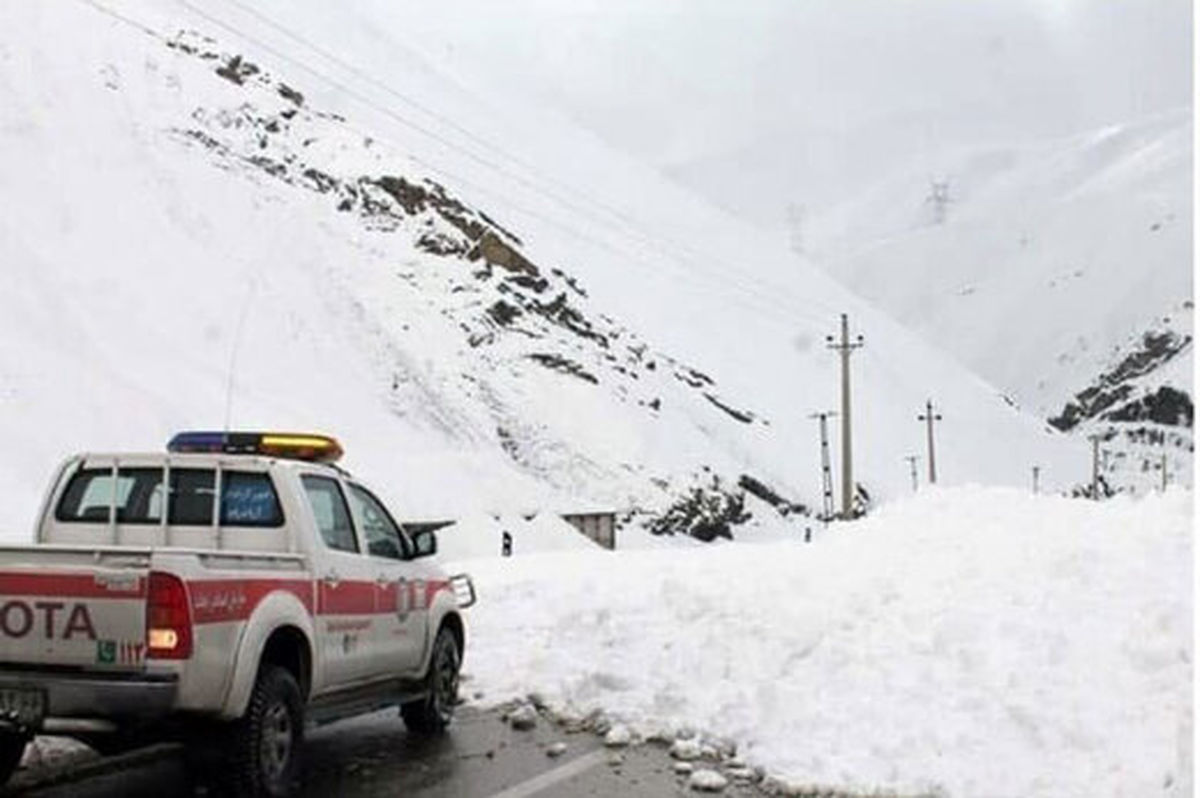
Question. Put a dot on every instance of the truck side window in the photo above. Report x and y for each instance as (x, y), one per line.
(90, 493)
(192, 491)
(248, 499)
(383, 537)
(329, 508)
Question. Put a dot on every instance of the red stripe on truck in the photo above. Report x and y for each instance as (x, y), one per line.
(346, 598)
(93, 585)
(224, 600)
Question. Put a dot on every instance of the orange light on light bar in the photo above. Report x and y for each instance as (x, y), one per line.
(319, 448)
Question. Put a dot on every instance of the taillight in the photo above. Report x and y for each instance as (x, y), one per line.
(168, 618)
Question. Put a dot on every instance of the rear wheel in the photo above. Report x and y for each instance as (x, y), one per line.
(12, 748)
(264, 748)
(432, 714)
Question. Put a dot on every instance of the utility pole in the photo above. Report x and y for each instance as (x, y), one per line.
(826, 469)
(929, 418)
(844, 348)
(1036, 470)
(912, 468)
(1163, 465)
(1095, 439)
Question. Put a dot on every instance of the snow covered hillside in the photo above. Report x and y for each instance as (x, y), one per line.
(205, 220)
(970, 642)
(1039, 267)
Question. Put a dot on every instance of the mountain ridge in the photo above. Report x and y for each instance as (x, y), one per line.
(277, 264)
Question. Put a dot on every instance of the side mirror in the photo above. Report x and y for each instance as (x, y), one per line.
(425, 543)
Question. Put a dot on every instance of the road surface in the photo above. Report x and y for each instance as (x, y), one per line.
(481, 757)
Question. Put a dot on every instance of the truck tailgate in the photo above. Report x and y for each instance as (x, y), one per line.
(74, 606)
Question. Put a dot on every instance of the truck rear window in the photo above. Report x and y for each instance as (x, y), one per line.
(137, 496)
(248, 498)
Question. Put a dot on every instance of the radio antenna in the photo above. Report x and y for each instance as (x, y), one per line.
(233, 353)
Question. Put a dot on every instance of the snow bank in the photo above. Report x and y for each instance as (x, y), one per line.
(975, 641)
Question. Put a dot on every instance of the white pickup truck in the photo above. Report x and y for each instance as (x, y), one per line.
(226, 593)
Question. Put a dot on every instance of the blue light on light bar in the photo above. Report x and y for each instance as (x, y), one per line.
(296, 446)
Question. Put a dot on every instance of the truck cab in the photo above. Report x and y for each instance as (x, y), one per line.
(232, 578)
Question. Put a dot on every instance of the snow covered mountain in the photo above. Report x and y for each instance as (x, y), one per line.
(1047, 260)
(208, 221)
(1061, 273)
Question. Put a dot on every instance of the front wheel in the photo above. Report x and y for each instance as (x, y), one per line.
(432, 714)
(12, 748)
(264, 748)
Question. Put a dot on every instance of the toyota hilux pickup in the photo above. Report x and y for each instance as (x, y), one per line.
(227, 593)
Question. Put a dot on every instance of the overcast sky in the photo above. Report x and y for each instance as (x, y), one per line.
(752, 101)
(672, 80)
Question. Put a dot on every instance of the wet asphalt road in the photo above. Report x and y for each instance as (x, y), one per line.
(481, 757)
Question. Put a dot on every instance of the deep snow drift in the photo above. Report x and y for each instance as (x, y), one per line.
(972, 641)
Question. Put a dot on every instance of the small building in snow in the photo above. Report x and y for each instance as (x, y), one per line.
(600, 527)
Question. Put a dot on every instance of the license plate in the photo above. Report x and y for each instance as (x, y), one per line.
(23, 707)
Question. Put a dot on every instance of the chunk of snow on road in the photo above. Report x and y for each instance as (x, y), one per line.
(618, 736)
(707, 781)
(686, 749)
(523, 718)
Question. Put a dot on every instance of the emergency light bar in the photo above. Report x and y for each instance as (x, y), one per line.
(293, 446)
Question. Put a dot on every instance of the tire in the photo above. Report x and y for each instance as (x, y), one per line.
(12, 748)
(263, 753)
(432, 714)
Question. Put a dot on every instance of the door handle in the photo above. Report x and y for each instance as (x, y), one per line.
(331, 579)
(383, 580)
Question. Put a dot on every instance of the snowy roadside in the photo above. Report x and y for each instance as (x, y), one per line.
(971, 642)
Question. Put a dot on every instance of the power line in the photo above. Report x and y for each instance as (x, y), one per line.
(423, 108)
(766, 301)
(532, 185)
(668, 248)
(664, 243)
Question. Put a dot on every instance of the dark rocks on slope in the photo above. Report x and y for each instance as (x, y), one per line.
(1106, 397)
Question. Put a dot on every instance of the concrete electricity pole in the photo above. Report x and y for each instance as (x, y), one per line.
(1163, 465)
(929, 418)
(826, 469)
(912, 468)
(1036, 470)
(1095, 439)
(844, 347)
